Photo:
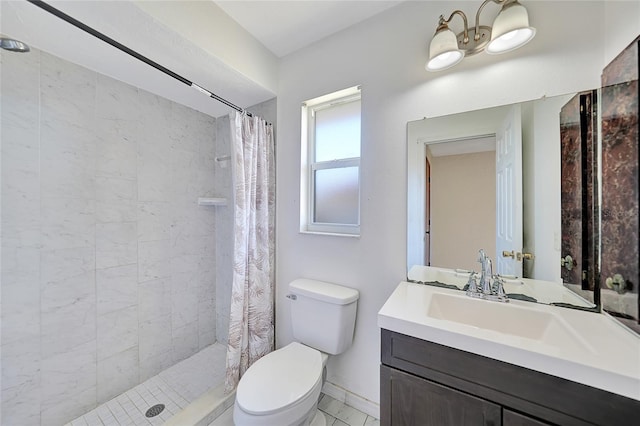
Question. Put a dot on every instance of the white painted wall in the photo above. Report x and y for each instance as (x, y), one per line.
(543, 223)
(386, 55)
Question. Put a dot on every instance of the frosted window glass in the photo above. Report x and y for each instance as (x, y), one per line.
(336, 196)
(338, 132)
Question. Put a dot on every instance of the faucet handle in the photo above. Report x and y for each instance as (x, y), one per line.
(472, 284)
(498, 287)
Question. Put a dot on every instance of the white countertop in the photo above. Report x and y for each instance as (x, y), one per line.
(585, 347)
(541, 290)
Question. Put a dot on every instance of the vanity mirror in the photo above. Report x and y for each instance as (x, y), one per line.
(495, 176)
(548, 188)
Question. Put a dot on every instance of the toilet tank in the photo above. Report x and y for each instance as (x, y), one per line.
(323, 314)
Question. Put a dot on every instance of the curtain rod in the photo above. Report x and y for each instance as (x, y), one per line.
(58, 13)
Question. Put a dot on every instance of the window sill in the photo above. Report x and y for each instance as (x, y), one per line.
(331, 234)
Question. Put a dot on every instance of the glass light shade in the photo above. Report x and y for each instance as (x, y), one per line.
(443, 51)
(510, 30)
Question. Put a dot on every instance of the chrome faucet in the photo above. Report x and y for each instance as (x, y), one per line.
(486, 272)
(490, 287)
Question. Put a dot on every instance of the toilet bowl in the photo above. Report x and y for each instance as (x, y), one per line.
(282, 388)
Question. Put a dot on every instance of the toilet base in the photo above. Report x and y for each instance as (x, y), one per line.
(319, 419)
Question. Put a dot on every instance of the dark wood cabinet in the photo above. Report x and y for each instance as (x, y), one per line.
(424, 383)
(420, 402)
(511, 418)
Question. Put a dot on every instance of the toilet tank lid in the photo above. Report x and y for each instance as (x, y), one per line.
(326, 292)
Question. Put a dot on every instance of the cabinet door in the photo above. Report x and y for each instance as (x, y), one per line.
(511, 418)
(407, 400)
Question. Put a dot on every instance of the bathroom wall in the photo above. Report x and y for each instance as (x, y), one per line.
(224, 215)
(472, 177)
(386, 55)
(108, 263)
(541, 198)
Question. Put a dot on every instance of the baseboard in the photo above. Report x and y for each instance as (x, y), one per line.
(356, 401)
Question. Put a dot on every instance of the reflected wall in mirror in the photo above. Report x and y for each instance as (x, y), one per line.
(494, 183)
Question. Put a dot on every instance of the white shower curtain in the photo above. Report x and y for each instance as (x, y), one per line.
(251, 324)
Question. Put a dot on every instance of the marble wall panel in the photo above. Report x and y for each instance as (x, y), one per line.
(20, 160)
(117, 148)
(154, 221)
(109, 264)
(21, 294)
(68, 384)
(20, 382)
(154, 260)
(116, 200)
(67, 222)
(117, 374)
(116, 101)
(116, 244)
(185, 341)
(116, 288)
(224, 231)
(117, 331)
(67, 300)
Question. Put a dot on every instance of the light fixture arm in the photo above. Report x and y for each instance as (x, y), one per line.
(476, 35)
(444, 22)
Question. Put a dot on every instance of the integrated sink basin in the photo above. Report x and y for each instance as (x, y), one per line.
(585, 347)
(510, 319)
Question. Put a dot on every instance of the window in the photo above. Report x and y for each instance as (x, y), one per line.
(330, 179)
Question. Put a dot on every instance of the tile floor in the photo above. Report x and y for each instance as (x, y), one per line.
(175, 387)
(337, 414)
(183, 383)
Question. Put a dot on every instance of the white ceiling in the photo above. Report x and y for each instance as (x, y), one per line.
(281, 26)
(286, 26)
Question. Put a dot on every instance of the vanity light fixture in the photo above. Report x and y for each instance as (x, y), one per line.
(510, 31)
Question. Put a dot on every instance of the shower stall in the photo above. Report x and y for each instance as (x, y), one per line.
(112, 273)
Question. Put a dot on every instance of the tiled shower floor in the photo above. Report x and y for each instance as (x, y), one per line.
(175, 387)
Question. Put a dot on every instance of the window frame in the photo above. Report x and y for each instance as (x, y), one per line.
(310, 166)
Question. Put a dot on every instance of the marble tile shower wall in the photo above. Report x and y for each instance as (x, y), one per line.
(108, 263)
(224, 228)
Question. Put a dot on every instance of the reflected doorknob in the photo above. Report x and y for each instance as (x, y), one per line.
(517, 255)
(567, 262)
(616, 283)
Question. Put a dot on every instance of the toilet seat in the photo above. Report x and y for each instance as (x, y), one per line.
(291, 374)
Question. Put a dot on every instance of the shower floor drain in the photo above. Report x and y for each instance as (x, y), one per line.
(155, 410)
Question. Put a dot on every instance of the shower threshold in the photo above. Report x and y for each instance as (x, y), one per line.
(191, 392)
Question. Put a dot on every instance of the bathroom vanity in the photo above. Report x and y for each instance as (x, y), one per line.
(447, 359)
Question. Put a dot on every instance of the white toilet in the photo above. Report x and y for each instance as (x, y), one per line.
(283, 387)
